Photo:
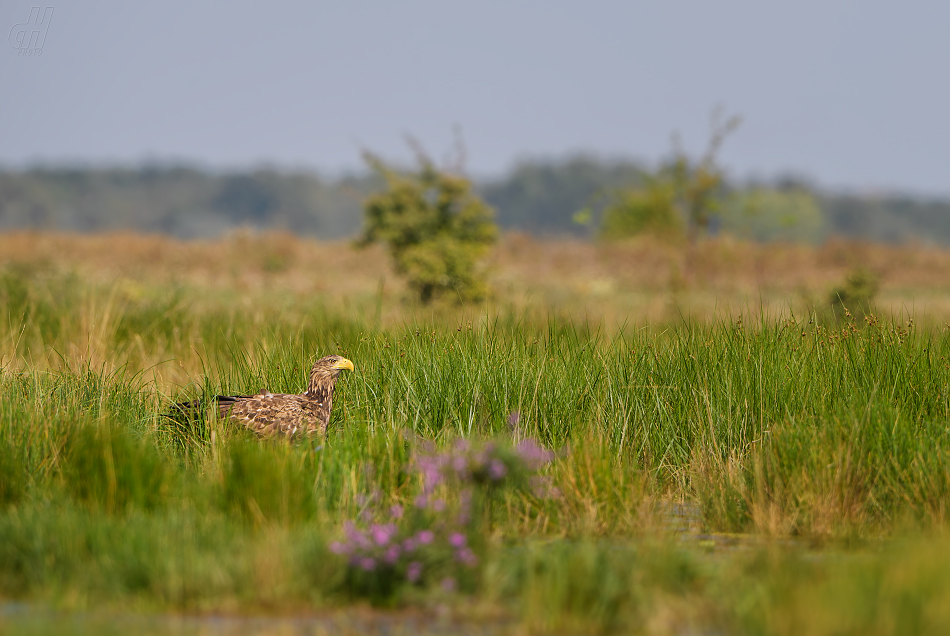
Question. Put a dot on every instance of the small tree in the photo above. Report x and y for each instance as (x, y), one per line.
(854, 298)
(436, 228)
(681, 196)
(698, 185)
(650, 209)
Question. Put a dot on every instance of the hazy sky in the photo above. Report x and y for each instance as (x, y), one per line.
(851, 94)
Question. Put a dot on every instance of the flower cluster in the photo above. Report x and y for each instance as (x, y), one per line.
(488, 464)
(383, 546)
(437, 533)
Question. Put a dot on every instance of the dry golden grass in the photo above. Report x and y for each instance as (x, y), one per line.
(636, 281)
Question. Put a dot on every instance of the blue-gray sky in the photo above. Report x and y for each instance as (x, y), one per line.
(853, 94)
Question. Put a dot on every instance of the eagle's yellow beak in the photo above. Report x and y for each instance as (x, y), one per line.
(343, 363)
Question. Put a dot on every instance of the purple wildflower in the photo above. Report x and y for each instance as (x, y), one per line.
(497, 469)
(368, 564)
(457, 540)
(466, 556)
(430, 467)
(425, 537)
(532, 454)
(382, 533)
(355, 537)
(421, 501)
(409, 544)
(392, 554)
(414, 572)
(396, 512)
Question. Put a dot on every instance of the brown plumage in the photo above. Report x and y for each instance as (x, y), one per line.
(284, 414)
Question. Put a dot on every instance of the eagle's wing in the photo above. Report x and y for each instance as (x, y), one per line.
(274, 414)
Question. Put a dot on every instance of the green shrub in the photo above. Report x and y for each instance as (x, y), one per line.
(436, 228)
(681, 196)
(855, 297)
(649, 210)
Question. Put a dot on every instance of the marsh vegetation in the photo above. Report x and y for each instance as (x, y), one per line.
(730, 452)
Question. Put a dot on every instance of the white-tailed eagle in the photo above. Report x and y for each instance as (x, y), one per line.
(284, 414)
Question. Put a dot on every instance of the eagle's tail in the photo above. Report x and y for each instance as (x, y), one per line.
(193, 408)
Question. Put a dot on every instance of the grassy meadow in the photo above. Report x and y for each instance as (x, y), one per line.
(634, 438)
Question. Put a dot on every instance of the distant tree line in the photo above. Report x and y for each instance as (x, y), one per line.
(182, 201)
(538, 197)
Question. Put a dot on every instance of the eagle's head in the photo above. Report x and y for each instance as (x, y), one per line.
(324, 374)
(330, 366)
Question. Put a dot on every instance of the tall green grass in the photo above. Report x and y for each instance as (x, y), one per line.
(825, 431)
